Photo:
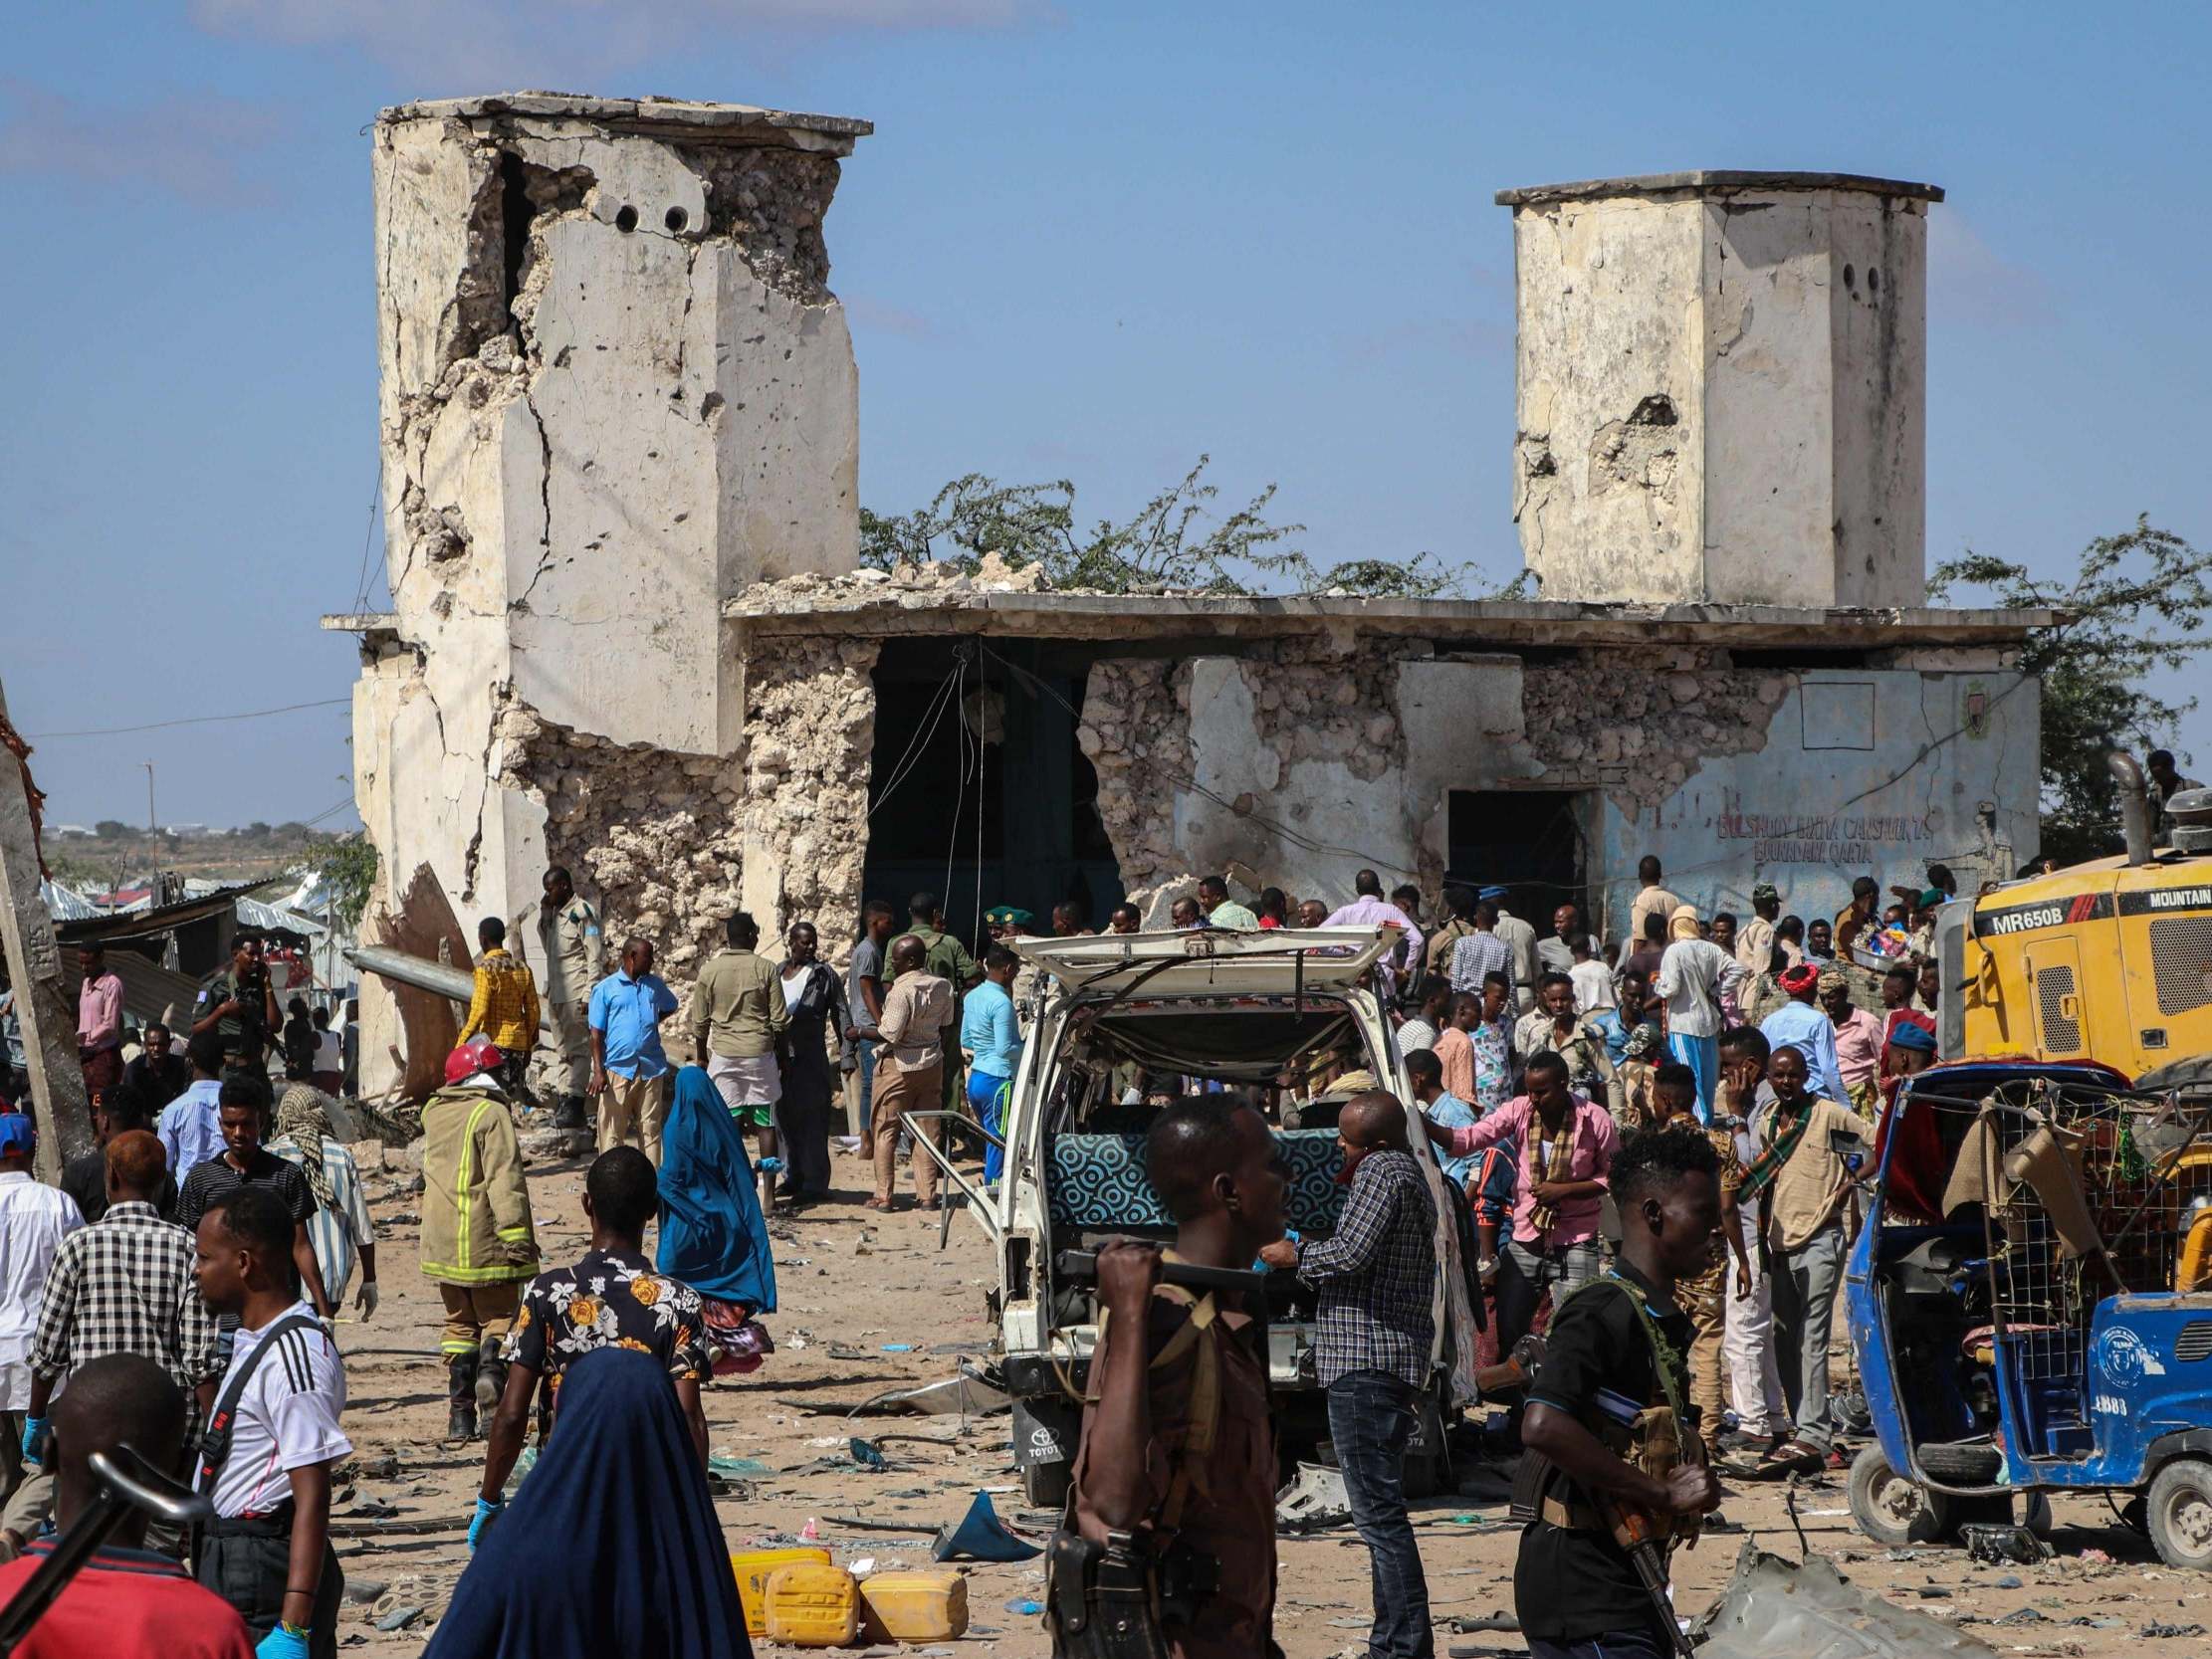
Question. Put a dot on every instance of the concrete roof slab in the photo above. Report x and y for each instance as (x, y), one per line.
(1714, 183)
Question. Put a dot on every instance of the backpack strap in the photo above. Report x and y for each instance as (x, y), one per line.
(215, 1442)
(1196, 1338)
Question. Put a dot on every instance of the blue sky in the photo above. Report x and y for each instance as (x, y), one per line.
(1086, 239)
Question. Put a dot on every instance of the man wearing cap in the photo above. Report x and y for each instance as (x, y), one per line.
(1910, 1050)
(34, 1219)
(1800, 1026)
(479, 1244)
(1858, 1041)
(1755, 937)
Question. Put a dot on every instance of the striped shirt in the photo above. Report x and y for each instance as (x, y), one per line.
(287, 1416)
(336, 1231)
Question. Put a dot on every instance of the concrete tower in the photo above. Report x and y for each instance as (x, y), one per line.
(1722, 387)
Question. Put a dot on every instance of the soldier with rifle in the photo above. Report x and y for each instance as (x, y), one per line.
(1614, 1475)
(1169, 1547)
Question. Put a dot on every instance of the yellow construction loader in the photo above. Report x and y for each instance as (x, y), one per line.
(2110, 960)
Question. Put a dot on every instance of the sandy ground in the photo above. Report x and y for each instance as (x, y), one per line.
(852, 1281)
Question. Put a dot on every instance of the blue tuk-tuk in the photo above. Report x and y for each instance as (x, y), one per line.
(2031, 1304)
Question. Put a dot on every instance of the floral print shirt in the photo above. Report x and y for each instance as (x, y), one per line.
(610, 1299)
(1494, 1065)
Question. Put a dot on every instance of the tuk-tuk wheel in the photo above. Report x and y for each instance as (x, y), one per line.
(1888, 1507)
(2179, 1510)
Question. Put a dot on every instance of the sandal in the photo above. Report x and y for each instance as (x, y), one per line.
(1792, 1457)
(877, 1204)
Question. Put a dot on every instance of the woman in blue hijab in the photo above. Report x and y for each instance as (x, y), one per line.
(620, 1487)
(712, 1236)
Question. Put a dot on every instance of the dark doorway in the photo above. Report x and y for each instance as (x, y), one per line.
(1528, 841)
(979, 792)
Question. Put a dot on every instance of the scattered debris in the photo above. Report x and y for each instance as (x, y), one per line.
(979, 1536)
(1994, 1543)
(1774, 1606)
(398, 1618)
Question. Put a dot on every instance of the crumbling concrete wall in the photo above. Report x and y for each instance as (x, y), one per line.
(615, 390)
(1721, 388)
(1299, 763)
(809, 748)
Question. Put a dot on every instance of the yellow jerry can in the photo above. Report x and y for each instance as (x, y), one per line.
(752, 1568)
(810, 1605)
(913, 1607)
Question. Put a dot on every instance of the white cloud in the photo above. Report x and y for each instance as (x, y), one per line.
(1970, 281)
(199, 147)
(506, 44)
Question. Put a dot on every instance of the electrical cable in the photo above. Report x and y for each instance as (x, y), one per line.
(918, 745)
(192, 719)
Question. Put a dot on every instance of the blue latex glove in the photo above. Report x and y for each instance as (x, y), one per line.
(486, 1512)
(281, 1643)
(34, 1439)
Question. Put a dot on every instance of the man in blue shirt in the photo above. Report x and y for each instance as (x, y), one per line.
(1441, 1105)
(1801, 1025)
(991, 1035)
(628, 1066)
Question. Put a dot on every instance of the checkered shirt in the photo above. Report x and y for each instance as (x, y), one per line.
(1477, 955)
(1377, 1274)
(123, 1284)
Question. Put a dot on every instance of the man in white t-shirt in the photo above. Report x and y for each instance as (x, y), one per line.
(267, 1455)
(34, 1219)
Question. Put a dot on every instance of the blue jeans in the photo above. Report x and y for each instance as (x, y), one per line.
(867, 1048)
(1638, 1643)
(1371, 1417)
(1702, 1056)
(988, 1095)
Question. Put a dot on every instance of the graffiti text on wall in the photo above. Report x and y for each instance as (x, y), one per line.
(1849, 839)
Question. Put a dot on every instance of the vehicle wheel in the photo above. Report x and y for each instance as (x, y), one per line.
(2180, 1514)
(1889, 1508)
(1961, 1462)
(2038, 1519)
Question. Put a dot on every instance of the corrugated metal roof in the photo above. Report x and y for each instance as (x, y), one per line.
(66, 904)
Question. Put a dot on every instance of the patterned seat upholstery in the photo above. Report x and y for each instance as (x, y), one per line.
(1097, 1182)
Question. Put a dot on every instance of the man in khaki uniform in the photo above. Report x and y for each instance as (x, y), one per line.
(737, 1021)
(563, 931)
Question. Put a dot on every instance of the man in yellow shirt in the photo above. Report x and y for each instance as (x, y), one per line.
(504, 1008)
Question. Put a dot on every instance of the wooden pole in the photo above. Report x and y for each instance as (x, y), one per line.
(44, 1002)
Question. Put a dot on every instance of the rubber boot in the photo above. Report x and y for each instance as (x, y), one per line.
(461, 1387)
(570, 1113)
(490, 1380)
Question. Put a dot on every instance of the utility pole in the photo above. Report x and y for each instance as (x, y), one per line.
(43, 1000)
(156, 895)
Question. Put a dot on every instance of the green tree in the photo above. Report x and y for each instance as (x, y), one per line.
(2137, 602)
(110, 829)
(1177, 541)
(349, 864)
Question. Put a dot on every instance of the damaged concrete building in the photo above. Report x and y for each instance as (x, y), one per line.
(631, 633)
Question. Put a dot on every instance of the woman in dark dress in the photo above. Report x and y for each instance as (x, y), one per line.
(814, 995)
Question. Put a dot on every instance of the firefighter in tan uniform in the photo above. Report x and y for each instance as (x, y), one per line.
(560, 939)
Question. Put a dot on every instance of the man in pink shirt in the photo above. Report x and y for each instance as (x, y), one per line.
(1566, 1144)
(1370, 909)
(99, 1022)
(1858, 1038)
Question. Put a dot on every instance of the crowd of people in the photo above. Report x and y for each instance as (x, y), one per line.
(1664, 1115)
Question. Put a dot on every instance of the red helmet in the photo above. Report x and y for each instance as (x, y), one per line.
(475, 1055)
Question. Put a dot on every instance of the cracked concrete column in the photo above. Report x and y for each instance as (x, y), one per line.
(1723, 388)
(615, 390)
